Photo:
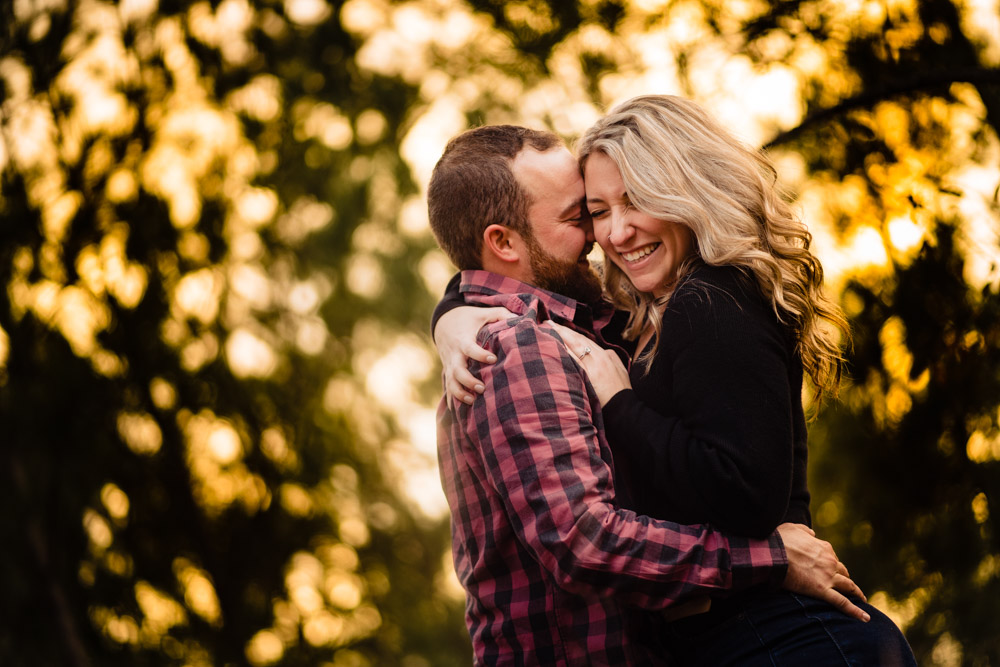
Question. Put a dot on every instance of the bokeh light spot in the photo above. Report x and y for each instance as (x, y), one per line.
(199, 593)
(224, 444)
(98, 531)
(265, 648)
(115, 501)
(365, 276)
(306, 12)
(250, 356)
(140, 432)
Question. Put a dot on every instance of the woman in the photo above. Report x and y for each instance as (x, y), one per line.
(727, 314)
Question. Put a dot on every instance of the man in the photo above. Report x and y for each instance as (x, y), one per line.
(555, 572)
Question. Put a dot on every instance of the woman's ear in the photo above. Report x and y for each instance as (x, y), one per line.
(502, 244)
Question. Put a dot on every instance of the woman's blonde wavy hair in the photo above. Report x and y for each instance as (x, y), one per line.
(679, 164)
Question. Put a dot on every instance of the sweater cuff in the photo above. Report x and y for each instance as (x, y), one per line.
(616, 416)
(452, 299)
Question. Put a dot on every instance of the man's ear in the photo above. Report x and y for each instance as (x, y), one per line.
(502, 244)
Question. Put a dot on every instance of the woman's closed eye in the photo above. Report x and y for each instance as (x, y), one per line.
(626, 204)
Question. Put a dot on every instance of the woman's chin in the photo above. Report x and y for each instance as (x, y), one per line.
(642, 283)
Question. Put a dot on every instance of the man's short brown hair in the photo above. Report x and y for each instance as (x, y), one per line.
(473, 187)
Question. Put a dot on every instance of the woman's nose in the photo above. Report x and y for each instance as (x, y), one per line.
(621, 230)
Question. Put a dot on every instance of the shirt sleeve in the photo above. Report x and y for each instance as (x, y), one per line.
(549, 462)
(720, 447)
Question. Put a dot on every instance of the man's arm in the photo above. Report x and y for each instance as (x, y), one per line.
(536, 434)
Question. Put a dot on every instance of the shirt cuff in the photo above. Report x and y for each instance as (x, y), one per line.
(757, 562)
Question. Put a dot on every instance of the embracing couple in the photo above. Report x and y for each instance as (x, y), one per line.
(627, 484)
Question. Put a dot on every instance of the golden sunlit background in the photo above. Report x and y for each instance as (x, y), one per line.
(217, 388)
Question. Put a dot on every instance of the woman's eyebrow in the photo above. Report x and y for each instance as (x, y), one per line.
(623, 195)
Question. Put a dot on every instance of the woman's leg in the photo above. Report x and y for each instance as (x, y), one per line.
(812, 632)
(781, 629)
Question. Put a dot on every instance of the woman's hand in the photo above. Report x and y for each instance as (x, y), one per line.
(606, 371)
(455, 337)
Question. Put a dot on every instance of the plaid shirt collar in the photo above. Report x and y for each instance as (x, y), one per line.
(487, 288)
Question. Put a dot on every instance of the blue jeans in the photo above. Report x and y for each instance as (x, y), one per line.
(778, 628)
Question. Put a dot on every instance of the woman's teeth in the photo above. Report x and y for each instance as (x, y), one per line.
(636, 255)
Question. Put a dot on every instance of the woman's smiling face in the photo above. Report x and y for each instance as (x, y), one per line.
(647, 249)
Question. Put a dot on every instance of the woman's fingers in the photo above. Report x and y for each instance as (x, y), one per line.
(606, 372)
(455, 337)
(576, 343)
(459, 380)
(461, 384)
(479, 354)
(497, 313)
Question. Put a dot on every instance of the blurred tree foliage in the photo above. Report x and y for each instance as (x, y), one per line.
(200, 269)
(216, 391)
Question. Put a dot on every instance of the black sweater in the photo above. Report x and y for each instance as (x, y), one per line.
(715, 432)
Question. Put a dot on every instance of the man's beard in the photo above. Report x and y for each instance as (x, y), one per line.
(567, 278)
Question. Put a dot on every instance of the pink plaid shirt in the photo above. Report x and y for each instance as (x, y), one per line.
(552, 568)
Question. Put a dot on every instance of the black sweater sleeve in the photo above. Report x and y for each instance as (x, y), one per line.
(452, 299)
(714, 437)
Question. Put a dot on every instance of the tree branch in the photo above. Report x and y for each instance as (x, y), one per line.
(890, 89)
